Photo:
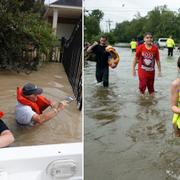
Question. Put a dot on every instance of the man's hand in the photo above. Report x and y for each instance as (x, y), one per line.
(113, 65)
(89, 49)
(53, 104)
(62, 105)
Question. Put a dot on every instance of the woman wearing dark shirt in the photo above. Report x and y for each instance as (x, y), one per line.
(6, 137)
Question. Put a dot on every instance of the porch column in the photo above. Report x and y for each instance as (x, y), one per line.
(55, 20)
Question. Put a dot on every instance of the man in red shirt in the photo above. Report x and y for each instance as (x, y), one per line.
(146, 56)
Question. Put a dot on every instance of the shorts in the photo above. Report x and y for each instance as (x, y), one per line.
(146, 82)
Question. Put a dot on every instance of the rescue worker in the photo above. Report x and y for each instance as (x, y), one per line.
(170, 45)
(133, 45)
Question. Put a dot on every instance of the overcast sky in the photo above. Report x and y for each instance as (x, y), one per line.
(120, 10)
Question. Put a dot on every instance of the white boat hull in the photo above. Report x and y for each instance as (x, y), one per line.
(44, 162)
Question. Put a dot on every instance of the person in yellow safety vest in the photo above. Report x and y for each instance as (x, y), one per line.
(133, 45)
(175, 103)
(170, 45)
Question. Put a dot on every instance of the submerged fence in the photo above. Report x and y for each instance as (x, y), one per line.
(72, 62)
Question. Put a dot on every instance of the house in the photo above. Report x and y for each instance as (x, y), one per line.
(64, 15)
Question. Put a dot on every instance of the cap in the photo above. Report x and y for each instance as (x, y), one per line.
(30, 89)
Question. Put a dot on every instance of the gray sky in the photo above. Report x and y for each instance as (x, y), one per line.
(49, 1)
(120, 10)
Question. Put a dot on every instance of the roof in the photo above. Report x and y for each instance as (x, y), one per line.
(77, 3)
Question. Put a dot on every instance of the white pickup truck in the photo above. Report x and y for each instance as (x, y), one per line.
(162, 42)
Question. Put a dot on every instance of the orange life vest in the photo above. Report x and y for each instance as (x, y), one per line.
(38, 106)
(1, 114)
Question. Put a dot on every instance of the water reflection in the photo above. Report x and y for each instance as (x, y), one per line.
(104, 105)
(128, 136)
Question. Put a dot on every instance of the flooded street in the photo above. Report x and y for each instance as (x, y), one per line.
(127, 137)
(64, 128)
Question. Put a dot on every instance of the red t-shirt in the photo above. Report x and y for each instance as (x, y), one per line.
(146, 60)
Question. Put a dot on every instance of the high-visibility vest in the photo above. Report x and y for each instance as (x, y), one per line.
(170, 43)
(133, 44)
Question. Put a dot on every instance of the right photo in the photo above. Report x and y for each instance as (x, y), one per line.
(131, 90)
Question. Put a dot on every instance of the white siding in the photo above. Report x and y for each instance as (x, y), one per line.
(64, 30)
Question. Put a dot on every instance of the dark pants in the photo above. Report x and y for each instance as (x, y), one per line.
(170, 51)
(133, 50)
(102, 74)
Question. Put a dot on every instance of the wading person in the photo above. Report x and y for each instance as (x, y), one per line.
(146, 56)
(102, 67)
(133, 45)
(31, 104)
(175, 102)
(6, 136)
(170, 45)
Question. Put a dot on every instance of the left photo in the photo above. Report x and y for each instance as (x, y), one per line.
(41, 89)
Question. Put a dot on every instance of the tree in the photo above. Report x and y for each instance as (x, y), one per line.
(110, 36)
(161, 22)
(18, 29)
(35, 6)
(92, 25)
(97, 14)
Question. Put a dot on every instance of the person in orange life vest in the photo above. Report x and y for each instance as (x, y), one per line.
(31, 104)
(146, 56)
(6, 136)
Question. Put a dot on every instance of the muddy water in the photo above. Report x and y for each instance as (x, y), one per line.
(64, 128)
(127, 137)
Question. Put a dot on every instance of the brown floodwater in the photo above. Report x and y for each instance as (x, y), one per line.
(64, 128)
(128, 137)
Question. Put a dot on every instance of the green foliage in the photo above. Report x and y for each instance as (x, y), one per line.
(161, 22)
(111, 38)
(97, 14)
(20, 28)
(38, 32)
(92, 25)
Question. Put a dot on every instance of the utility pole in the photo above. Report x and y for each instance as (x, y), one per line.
(109, 24)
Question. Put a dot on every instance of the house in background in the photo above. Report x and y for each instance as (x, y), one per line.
(64, 15)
